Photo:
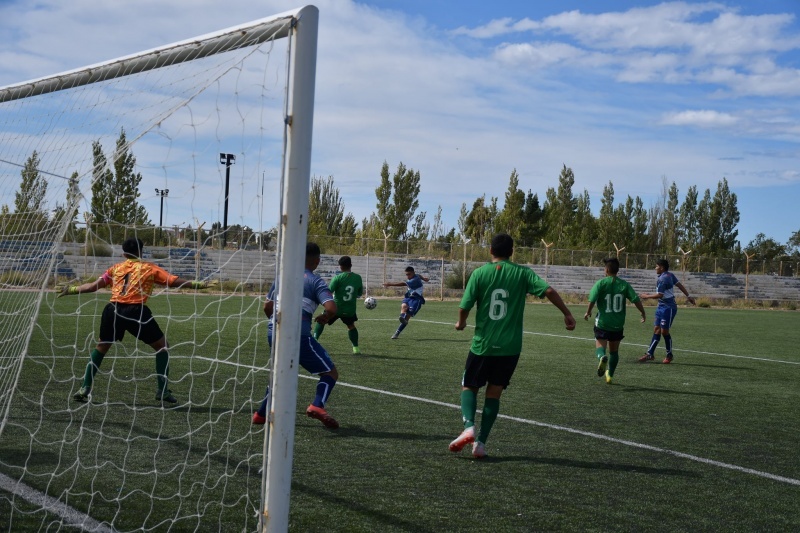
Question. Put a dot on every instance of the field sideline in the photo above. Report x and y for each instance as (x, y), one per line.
(708, 442)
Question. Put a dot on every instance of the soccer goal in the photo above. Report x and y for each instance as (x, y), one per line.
(161, 145)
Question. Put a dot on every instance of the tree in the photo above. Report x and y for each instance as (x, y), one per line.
(326, 210)
(510, 219)
(688, 220)
(420, 229)
(437, 228)
(479, 222)
(114, 193)
(560, 208)
(384, 195)
(725, 217)
(606, 226)
(638, 225)
(533, 221)
(669, 238)
(706, 225)
(406, 184)
(585, 225)
(69, 209)
(793, 246)
(397, 200)
(765, 248)
(30, 199)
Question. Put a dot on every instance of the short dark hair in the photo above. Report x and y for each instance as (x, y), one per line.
(312, 250)
(410, 269)
(502, 245)
(612, 264)
(132, 247)
(345, 261)
(663, 263)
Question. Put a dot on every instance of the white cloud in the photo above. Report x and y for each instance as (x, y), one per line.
(701, 118)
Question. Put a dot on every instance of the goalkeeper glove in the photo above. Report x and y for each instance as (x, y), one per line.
(204, 284)
(68, 290)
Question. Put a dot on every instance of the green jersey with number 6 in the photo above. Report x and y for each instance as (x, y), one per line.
(609, 294)
(346, 288)
(500, 290)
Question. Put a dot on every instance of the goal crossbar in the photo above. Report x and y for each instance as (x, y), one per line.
(233, 38)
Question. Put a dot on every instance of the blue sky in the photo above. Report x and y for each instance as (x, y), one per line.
(633, 93)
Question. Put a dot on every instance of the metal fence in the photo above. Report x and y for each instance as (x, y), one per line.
(548, 255)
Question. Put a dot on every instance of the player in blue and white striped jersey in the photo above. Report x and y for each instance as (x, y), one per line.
(413, 299)
(313, 357)
(666, 310)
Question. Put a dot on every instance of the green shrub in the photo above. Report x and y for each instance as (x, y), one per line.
(456, 279)
(98, 249)
(17, 279)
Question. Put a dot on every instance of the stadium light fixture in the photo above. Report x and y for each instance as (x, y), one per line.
(227, 160)
(163, 193)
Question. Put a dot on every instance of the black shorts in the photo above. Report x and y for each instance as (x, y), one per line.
(347, 320)
(133, 318)
(604, 335)
(492, 369)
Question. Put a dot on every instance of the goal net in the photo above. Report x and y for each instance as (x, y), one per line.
(200, 149)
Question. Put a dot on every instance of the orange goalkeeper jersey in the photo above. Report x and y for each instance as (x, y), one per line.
(132, 281)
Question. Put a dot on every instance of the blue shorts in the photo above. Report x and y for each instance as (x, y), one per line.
(313, 357)
(664, 316)
(414, 305)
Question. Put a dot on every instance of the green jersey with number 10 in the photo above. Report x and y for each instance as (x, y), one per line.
(346, 288)
(500, 290)
(610, 293)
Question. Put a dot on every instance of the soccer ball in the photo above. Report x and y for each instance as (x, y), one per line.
(370, 303)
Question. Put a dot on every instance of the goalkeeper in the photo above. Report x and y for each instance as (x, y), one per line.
(131, 283)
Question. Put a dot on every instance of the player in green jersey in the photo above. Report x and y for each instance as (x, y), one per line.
(609, 294)
(499, 289)
(346, 287)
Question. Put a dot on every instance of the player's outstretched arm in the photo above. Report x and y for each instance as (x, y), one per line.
(69, 290)
(193, 284)
(461, 323)
(588, 311)
(555, 299)
(328, 313)
(640, 307)
(684, 291)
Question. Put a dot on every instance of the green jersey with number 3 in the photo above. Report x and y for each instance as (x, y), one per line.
(500, 290)
(609, 294)
(346, 288)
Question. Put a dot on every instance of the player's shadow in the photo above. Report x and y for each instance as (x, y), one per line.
(591, 465)
(464, 341)
(368, 355)
(630, 388)
(362, 433)
(723, 367)
(392, 521)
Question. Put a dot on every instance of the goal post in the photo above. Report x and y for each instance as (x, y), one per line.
(76, 150)
(293, 230)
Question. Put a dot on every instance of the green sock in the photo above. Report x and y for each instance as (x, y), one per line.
(490, 409)
(469, 404)
(352, 334)
(92, 368)
(162, 369)
(613, 359)
(318, 330)
(600, 352)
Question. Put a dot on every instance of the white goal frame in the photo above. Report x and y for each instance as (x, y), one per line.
(300, 27)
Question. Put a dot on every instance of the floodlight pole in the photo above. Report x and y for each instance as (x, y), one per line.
(163, 193)
(227, 160)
